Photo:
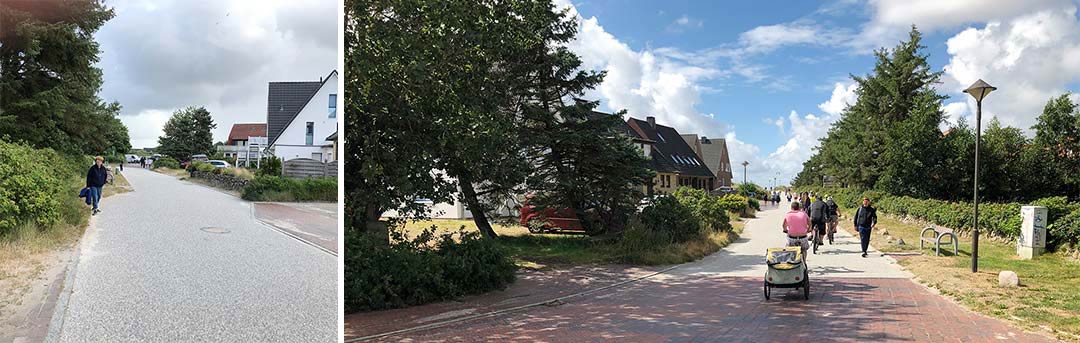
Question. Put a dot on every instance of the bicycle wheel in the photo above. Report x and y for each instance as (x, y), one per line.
(766, 291)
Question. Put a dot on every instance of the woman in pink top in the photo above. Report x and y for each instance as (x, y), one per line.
(796, 226)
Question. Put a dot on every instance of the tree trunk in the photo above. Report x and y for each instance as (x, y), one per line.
(374, 227)
(472, 201)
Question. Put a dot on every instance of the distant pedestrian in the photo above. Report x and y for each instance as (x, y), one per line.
(96, 178)
(865, 222)
(142, 162)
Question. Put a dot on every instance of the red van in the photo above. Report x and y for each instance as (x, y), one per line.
(562, 220)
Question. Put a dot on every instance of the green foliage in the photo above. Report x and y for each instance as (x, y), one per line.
(114, 158)
(188, 132)
(36, 186)
(1056, 135)
(706, 208)
(421, 270)
(670, 221)
(166, 162)
(271, 166)
(735, 203)
(1065, 231)
(49, 79)
(999, 219)
(276, 188)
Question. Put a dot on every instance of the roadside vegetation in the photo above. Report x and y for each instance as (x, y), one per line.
(40, 212)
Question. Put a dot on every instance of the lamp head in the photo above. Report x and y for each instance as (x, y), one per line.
(979, 90)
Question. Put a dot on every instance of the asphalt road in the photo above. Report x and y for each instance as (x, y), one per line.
(147, 272)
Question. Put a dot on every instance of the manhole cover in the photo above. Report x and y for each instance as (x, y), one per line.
(212, 229)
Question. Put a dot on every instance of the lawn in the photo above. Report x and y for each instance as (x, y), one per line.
(541, 250)
(1048, 297)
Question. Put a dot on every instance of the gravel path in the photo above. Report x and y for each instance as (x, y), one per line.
(147, 272)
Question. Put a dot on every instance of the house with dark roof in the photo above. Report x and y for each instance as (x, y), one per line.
(676, 164)
(714, 152)
(301, 119)
(243, 142)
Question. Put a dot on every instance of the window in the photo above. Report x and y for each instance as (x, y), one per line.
(316, 156)
(310, 139)
(333, 105)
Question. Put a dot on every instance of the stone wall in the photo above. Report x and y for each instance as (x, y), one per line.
(223, 181)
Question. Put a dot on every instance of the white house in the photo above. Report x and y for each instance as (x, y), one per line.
(302, 120)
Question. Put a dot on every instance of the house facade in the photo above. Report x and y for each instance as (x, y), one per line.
(676, 164)
(301, 119)
(244, 142)
(714, 152)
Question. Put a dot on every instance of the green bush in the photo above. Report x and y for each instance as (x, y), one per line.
(734, 203)
(1065, 231)
(705, 208)
(670, 220)
(425, 269)
(999, 219)
(271, 166)
(166, 162)
(39, 187)
(114, 158)
(276, 188)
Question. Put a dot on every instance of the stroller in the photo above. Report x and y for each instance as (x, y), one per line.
(787, 269)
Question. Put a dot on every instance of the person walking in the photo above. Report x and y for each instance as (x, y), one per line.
(796, 225)
(818, 216)
(865, 222)
(95, 179)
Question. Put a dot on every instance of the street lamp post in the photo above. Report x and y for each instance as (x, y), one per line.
(978, 90)
(744, 164)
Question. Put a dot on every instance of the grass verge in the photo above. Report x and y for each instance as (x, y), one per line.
(542, 250)
(1048, 298)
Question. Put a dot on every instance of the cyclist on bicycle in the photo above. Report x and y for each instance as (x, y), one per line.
(834, 216)
(818, 216)
(796, 226)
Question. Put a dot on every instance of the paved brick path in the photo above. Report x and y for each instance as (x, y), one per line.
(732, 309)
(719, 299)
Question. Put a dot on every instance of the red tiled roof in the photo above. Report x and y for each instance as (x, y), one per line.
(241, 132)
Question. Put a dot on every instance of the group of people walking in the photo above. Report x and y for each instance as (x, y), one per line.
(815, 217)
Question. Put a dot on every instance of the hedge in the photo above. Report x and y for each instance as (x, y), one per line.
(425, 269)
(998, 219)
(708, 209)
(276, 188)
(37, 185)
(166, 162)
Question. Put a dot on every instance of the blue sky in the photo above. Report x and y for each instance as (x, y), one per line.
(772, 76)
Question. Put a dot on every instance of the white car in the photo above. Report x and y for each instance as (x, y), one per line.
(132, 158)
(219, 163)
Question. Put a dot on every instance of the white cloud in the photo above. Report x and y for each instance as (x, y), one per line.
(1030, 58)
(159, 56)
(685, 22)
(842, 97)
(646, 83)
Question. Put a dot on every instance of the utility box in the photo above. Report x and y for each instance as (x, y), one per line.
(1032, 240)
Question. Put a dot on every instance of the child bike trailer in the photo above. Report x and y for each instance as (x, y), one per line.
(786, 270)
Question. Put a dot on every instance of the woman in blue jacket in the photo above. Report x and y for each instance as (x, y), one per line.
(95, 179)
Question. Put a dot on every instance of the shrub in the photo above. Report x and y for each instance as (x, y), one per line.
(670, 220)
(271, 166)
(706, 208)
(31, 188)
(425, 269)
(1065, 232)
(114, 158)
(276, 188)
(166, 162)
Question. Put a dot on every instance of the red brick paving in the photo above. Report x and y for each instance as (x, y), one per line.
(733, 309)
(531, 286)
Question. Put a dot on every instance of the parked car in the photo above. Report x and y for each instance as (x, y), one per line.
(541, 220)
(199, 157)
(219, 163)
(155, 156)
(131, 158)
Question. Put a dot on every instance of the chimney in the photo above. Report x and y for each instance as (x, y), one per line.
(652, 121)
(320, 79)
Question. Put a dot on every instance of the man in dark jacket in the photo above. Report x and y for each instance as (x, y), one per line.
(865, 221)
(95, 179)
(818, 216)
